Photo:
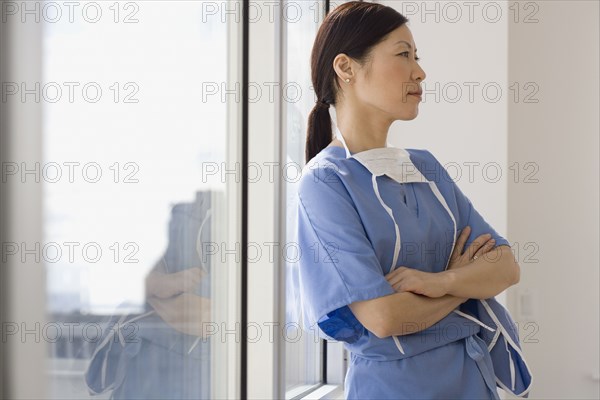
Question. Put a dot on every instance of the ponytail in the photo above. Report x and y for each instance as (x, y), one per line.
(319, 130)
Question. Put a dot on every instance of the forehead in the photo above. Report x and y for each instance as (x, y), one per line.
(402, 35)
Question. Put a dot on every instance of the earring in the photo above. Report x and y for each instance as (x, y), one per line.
(347, 80)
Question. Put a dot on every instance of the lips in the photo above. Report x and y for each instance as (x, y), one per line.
(418, 93)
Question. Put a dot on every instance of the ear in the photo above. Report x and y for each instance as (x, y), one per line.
(342, 65)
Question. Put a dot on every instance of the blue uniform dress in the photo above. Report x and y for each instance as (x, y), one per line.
(348, 240)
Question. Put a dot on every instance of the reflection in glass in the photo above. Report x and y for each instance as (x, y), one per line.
(130, 295)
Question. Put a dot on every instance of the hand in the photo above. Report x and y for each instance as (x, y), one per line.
(481, 245)
(429, 284)
(187, 313)
(164, 286)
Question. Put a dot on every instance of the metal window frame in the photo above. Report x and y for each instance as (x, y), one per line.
(333, 361)
(263, 374)
(22, 288)
(228, 357)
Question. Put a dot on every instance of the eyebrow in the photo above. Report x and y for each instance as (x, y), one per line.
(406, 43)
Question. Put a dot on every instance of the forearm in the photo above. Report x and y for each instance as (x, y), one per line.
(187, 313)
(415, 312)
(404, 313)
(485, 277)
(158, 284)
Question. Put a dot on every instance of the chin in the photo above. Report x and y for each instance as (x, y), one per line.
(408, 116)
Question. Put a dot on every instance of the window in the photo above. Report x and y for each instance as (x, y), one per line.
(135, 134)
(301, 20)
(307, 365)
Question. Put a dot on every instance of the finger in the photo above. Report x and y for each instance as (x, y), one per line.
(481, 240)
(460, 242)
(464, 234)
(391, 275)
(485, 248)
(462, 238)
(399, 281)
(477, 244)
(399, 286)
(396, 272)
(408, 285)
(394, 280)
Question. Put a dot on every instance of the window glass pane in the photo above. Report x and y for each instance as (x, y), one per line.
(130, 210)
(302, 19)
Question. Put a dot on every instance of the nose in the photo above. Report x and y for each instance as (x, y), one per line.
(419, 74)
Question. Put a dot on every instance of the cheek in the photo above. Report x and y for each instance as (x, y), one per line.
(393, 80)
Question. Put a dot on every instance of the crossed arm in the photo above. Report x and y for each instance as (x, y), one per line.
(485, 277)
(399, 313)
(424, 298)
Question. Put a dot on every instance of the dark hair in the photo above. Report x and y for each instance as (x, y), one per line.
(352, 28)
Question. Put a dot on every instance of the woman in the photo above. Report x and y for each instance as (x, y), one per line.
(383, 267)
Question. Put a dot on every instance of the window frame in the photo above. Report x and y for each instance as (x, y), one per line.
(333, 355)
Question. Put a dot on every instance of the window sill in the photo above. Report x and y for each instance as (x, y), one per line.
(326, 392)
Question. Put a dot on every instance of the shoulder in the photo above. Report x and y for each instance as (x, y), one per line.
(428, 165)
(422, 156)
(331, 178)
(325, 168)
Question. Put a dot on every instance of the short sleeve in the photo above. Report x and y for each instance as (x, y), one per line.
(338, 264)
(468, 214)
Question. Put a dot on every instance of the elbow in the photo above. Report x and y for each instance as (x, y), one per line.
(379, 316)
(377, 321)
(386, 323)
(380, 325)
(382, 332)
(516, 276)
(513, 266)
(514, 273)
(385, 329)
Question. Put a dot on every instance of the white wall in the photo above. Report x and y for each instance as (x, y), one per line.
(560, 213)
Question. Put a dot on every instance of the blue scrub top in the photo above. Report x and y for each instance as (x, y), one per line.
(347, 243)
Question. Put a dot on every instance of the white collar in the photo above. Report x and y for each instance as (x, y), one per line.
(391, 161)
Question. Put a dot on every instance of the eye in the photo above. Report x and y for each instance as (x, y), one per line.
(406, 54)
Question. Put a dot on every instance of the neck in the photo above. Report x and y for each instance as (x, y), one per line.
(362, 132)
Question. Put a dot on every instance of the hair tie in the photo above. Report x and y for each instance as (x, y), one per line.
(322, 104)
